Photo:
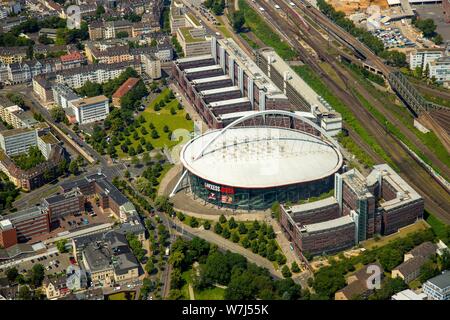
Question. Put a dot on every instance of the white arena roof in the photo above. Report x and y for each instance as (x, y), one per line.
(260, 157)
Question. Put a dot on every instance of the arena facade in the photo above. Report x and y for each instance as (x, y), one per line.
(261, 158)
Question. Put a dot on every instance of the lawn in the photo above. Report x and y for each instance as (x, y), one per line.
(210, 294)
(160, 119)
(437, 225)
(207, 294)
(419, 225)
(185, 289)
(120, 296)
(166, 167)
(264, 32)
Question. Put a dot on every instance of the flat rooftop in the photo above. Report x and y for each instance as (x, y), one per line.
(229, 102)
(408, 194)
(260, 157)
(196, 58)
(201, 69)
(210, 79)
(330, 224)
(16, 131)
(251, 68)
(219, 90)
(313, 205)
(88, 101)
(235, 115)
(310, 96)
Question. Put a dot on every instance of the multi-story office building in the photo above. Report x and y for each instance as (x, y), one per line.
(28, 223)
(92, 109)
(110, 198)
(227, 67)
(8, 234)
(421, 57)
(61, 205)
(439, 69)
(16, 116)
(194, 41)
(438, 288)
(17, 141)
(380, 203)
(299, 93)
(63, 95)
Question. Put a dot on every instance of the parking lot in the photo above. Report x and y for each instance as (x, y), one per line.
(393, 38)
(53, 264)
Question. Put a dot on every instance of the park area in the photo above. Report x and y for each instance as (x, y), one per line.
(124, 295)
(213, 293)
(161, 118)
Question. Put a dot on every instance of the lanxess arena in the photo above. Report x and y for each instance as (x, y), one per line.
(261, 158)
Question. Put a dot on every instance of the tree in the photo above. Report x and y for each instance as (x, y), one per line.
(222, 219)
(218, 228)
(245, 242)
(176, 280)
(173, 111)
(37, 275)
(188, 117)
(99, 11)
(24, 293)
(438, 39)
(149, 266)
(294, 267)
(207, 225)
(444, 260)
(61, 245)
(176, 258)
(121, 34)
(242, 228)
(238, 20)
(193, 223)
(73, 168)
(235, 237)
(428, 270)
(155, 134)
(12, 274)
(58, 114)
(226, 233)
(232, 223)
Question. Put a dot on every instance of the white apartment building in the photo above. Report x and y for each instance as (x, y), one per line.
(421, 57)
(90, 109)
(63, 95)
(17, 141)
(151, 65)
(440, 70)
(98, 73)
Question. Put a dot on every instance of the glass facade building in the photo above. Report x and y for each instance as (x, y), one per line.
(256, 198)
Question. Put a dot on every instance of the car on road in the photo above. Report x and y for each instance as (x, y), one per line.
(261, 9)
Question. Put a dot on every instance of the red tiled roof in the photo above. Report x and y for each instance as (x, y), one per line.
(125, 87)
(74, 56)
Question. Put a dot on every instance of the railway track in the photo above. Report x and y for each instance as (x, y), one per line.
(436, 197)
